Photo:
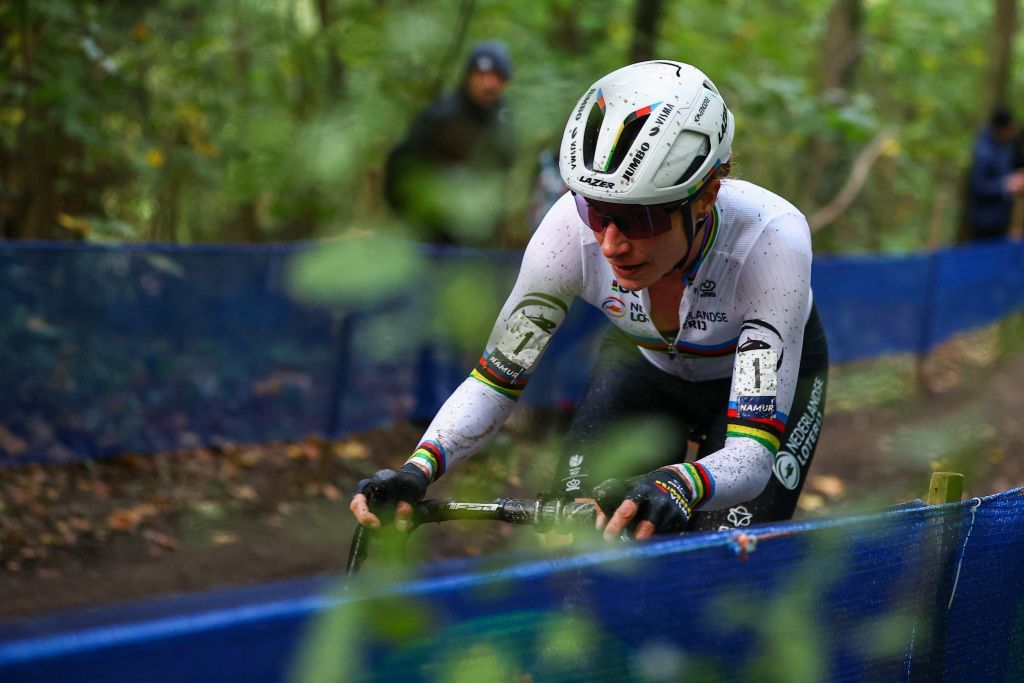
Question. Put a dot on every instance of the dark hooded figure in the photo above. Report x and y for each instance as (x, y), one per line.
(446, 178)
(994, 180)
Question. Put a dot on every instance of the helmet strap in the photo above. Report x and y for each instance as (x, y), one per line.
(691, 231)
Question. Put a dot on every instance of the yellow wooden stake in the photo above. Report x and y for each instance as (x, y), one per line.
(945, 487)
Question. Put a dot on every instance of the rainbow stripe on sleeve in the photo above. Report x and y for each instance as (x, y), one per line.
(431, 455)
(483, 373)
(766, 431)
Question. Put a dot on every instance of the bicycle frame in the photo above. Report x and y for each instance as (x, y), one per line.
(543, 513)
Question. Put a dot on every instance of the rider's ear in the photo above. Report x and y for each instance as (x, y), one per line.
(707, 197)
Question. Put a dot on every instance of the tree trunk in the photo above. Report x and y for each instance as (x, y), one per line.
(447, 63)
(841, 50)
(843, 46)
(1004, 31)
(244, 226)
(38, 182)
(40, 176)
(335, 69)
(646, 16)
(564, 30)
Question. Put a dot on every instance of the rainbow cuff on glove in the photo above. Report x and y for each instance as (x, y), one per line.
(430, 455)
(700, 481)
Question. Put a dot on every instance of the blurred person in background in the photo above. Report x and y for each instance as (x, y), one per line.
(446, 178)
(548, 188)
(994, 181)
(707, 283)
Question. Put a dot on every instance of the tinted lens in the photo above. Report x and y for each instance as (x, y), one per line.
(634, 221)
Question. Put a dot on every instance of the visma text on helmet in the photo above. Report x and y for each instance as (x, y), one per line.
(572, 149)
(662, 118)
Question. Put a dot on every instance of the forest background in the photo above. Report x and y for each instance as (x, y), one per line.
(249, 121)
(269, 120)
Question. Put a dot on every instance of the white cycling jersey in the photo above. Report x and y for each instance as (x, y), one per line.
(743, 312)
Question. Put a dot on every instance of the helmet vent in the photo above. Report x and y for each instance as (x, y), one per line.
(625, 142)
(590, 133)
(696, 164)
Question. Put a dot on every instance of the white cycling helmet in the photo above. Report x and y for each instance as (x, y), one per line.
(648, 133)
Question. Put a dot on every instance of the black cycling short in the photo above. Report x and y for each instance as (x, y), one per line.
(625, 392)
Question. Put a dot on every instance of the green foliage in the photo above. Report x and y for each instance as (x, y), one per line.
(263, 119)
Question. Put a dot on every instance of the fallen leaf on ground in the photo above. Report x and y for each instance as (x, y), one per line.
(161, 539)
(11, 443)
(244, 492)
(330, 492)
(809, 502)
(251, 456)
(351, 450)
(209, 509)
(80, 524)
(127, 519)
(828, 485)
(303, 451)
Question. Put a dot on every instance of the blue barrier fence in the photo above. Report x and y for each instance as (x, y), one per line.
(144, 348)
(855, 599)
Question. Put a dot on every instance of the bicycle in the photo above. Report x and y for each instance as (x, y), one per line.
(542, 512)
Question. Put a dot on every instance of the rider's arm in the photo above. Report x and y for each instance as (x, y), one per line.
(550, 277)
(774, 292)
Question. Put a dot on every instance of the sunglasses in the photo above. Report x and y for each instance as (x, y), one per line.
(634, 221)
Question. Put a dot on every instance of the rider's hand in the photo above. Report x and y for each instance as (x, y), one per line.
(654, 503)
(389, 493)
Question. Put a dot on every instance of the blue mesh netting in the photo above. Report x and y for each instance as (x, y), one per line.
(856, 599)
(146, 348)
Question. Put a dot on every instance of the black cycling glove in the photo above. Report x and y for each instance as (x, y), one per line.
(662, 497)
(387, 488)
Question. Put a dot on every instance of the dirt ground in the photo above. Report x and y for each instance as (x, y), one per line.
(137, 526)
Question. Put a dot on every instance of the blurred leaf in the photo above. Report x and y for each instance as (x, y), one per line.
(367, 269)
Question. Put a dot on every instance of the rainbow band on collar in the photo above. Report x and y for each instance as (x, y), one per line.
(710, 236)
(686, 349)
(430, 455)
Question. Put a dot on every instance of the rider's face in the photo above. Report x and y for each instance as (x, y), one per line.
(639, 263)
